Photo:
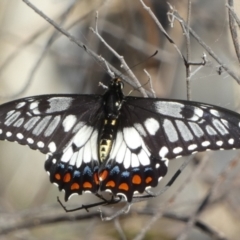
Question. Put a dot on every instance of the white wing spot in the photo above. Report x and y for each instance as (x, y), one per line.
(34, 105)
(30, 140)
(143, 158)
(177, 150)
(67, 154)
(78, 126)
(170, 130)
(140, 129)
(117, 145)
(12, 118)
(132, 137)
(192, 147)
(80, 158)
(135, 162)
(52, 147)
(73, 159)
(1, 131)
(172, 109)
(19, 136)
(210, 130)
(163, 152)
(220, 127)
(10, 113)
(219, 143)
(196, 129)
(31, 123)
(205, 143)
(40, 144)
(231, 141)
(225, 122)
(157, 165)
(151, 125)
(82, 136)
(8, 134)
(159, 179)
(20, 105)
(41, 125)
(19, 122)
(54, 161)
(184, 130)
(52, 126)
(69, 122)
(215, 112)
(59, 104)
(127, 160)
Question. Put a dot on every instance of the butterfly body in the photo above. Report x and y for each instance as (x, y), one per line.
(115, 143)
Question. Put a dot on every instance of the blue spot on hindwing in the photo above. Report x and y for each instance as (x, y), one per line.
(87, 171)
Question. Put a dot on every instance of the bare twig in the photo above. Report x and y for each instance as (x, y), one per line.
(233, 29)
(121, 58)
(150, 82)
(79, 43)
(206, 47)
(188, 51)
(148, 9)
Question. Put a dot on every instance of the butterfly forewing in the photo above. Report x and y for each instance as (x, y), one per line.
(45, 122)
(179, 128)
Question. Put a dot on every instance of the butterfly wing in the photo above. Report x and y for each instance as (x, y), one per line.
(65, 127)
(151, 131)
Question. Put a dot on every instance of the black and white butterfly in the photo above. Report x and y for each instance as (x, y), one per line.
(114, 143)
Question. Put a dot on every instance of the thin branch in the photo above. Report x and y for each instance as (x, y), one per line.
(34, 219)
(148, 9)
(188, 51)
(120, 58)
(206, 47)
(233, 29)
(80, 44)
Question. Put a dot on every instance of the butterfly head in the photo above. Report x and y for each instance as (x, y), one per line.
(116, 84)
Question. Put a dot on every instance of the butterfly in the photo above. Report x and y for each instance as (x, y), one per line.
(115, 143)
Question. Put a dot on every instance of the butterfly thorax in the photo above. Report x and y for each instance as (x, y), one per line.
(112, 101)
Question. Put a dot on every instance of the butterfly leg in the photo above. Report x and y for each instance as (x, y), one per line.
(104, 202)
(123, 210)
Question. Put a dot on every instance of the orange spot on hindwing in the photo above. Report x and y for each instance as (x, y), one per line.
(57, 176)
(67, 177)
(103, 175)
(136, 179)
(124, 186)
(148, 180)
(110, 184)
(75, 186)
(96, 179)
(87, 185)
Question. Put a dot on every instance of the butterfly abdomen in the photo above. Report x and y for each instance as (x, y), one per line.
(112, 101)
(106, 138)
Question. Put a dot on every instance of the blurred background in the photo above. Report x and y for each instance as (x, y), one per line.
(36, 59)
